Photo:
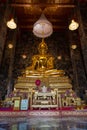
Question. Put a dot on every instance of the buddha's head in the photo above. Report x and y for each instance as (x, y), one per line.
(42, 47)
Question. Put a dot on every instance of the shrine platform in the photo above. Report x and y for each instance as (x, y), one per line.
(9, 112)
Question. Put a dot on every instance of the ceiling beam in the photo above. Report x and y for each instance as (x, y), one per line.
(31, 27)
(35, 19)
(43, 5)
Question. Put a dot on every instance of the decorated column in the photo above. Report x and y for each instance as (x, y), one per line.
(82, 34)
(12, 52)
(3, 28)
(79, 77)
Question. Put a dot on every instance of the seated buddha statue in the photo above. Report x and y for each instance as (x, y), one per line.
(42, 62)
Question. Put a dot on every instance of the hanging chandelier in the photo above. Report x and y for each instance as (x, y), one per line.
(11, 24)
(73, 25)
(42, 28)
(11, 19)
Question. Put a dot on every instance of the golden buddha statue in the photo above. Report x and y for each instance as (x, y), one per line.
(42, 63)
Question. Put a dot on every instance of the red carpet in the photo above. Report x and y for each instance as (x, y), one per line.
(64, 112)
(45, 109)
(64, 108)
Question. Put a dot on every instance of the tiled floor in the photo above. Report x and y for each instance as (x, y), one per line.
(43, 123)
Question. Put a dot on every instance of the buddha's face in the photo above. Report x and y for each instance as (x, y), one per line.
(42, 51)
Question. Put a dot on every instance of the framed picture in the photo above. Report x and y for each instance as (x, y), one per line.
(16, 104)
(24, 104)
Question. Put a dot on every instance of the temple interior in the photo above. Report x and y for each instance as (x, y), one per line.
(43, 60)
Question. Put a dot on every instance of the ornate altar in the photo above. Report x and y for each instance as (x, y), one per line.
(44, 99)
(42, 69)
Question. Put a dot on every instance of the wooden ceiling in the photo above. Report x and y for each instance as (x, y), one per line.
(58, 12)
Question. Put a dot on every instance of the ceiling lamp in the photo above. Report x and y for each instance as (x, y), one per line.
(74, 46)
(10, 46)
(11, 24)
(42, 28)
(24, 56)
(73, 25)
(59, 57)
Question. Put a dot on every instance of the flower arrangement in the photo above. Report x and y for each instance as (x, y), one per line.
(69, 93)
(37, 82)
